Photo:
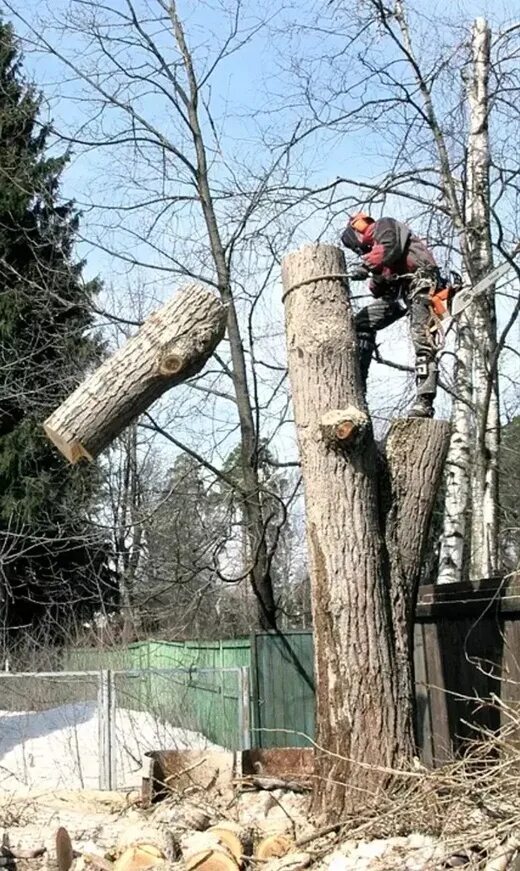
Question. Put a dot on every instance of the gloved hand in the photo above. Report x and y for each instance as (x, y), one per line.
(359, 273)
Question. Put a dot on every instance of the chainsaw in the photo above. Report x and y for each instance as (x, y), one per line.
(469, 294)
(451, 299)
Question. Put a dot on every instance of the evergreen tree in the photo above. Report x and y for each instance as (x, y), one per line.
(52, 564)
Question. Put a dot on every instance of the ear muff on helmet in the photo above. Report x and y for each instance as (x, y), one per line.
(351, 241)
(360, 222)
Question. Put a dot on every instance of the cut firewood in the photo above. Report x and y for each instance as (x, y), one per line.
(211, 860)
(139, 857)
(206, 852)
(275, 846)
(233, 836)
(172, 345)
(64, 851)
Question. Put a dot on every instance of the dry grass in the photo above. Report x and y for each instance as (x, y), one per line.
(473, 801)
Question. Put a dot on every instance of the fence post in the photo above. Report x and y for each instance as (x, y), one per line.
(112, 729)
(244, 717)
(105, 729)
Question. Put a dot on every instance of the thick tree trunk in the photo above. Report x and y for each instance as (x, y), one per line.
(454, 545)
(415, 455)
(173, 344)
(361, 611)
(484, 521)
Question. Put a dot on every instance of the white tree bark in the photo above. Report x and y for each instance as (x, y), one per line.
(458, 464)
(484, 489)
(471, 503)
(173, 344)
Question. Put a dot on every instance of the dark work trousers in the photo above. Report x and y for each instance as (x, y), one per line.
(387, 310)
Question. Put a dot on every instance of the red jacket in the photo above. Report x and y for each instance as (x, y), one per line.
(393, 250)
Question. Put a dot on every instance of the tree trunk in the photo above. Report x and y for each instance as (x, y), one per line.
(484, 520)
(260, 572)
(472, 467)
(173, 344)
(415, 455)
(454, 549)
(361, 611)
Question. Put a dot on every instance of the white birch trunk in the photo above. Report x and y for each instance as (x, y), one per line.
(472, 464)
(458, 464)
(484, 484)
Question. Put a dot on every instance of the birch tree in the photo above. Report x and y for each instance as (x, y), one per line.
(430, 136)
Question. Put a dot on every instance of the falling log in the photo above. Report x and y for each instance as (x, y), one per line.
(173, 344)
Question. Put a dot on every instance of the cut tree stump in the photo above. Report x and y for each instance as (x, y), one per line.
(173, 344)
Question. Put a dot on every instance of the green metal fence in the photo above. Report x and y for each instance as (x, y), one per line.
(282, 687)
(204, 685)
(282, 679)
(467, 637)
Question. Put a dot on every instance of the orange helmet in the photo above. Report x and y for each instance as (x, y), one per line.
(360, 221)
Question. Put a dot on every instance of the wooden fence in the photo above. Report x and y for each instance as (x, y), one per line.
(466, 650)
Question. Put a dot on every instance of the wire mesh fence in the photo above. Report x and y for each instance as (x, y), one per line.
(63, 730)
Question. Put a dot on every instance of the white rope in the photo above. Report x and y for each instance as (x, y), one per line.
(333, 276)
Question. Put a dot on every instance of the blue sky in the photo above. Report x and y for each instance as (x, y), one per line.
(246, 93)
(242, 85)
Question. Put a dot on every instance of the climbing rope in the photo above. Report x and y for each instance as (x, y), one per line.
(333, 276)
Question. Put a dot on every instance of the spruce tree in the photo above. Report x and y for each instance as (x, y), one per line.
(52, 561)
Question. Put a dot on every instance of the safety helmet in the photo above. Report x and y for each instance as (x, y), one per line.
(360, 222)
(352, 236)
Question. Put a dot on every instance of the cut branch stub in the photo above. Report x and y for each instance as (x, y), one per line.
(342, 426)
(173, 344)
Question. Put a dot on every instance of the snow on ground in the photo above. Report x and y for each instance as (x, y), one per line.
(59, 748)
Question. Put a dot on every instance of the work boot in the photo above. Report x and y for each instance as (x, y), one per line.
(422, 407)
(366, 345)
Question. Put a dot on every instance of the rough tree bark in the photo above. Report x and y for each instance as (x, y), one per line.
(367, 518)
(415, 456)
(173, 344)
(484, 490)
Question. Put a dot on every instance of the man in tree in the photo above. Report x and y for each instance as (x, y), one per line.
(403, 272)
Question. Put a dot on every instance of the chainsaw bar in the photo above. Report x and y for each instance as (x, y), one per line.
(465, 297)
